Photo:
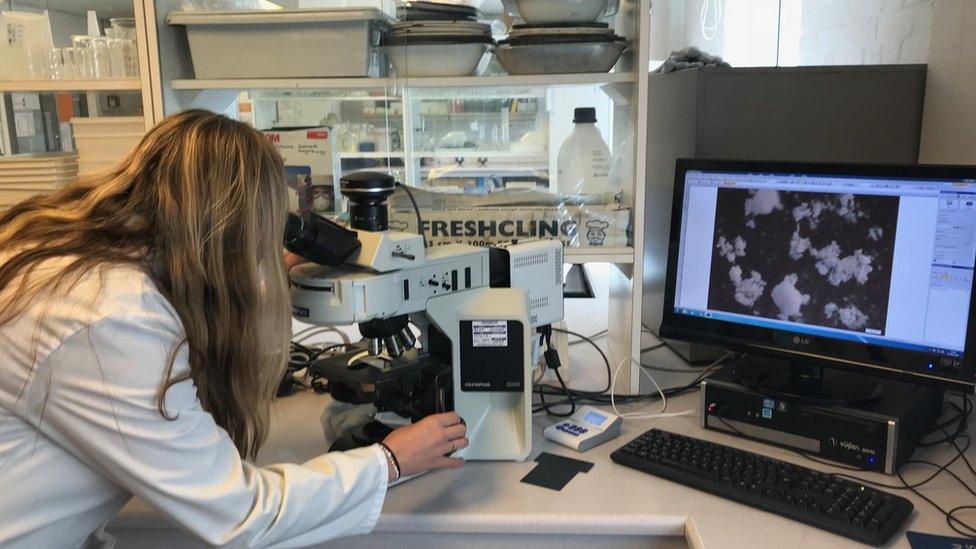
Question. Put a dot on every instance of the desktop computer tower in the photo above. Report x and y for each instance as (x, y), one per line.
(877, 435)
(814, 114)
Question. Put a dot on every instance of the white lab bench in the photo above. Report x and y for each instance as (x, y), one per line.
(483, 504)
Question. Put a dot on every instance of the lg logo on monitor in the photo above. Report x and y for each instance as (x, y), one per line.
(798, 340)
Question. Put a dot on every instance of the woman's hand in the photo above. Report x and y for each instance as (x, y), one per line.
(427, 444)
(292, 259)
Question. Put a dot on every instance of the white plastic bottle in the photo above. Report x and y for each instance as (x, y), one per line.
(584, 162)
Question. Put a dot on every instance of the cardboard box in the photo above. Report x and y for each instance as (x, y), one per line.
(308, 168)
(576, 226)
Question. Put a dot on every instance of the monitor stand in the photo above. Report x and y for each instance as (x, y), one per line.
(793, 379)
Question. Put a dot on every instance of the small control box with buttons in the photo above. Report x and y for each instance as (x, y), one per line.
(587, 428)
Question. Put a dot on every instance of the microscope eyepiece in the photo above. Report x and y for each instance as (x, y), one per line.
(320, 240)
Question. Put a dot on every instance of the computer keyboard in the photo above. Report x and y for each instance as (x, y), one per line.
(834, 504)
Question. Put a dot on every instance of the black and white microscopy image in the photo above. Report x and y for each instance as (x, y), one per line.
(816, 258)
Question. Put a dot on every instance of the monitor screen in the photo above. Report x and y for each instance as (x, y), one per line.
(869, 265)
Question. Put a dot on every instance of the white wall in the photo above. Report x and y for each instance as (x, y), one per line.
(751, 32)
(949, 122)
(864, 32)
(797, 32)
(676, 24)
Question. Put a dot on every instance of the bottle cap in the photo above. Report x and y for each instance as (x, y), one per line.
(584, 115)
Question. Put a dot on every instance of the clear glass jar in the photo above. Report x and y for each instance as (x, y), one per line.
(56, 62)
(131, 58)
(123, 27)
(86, 62)
(75, 63)
(116, 50)
(101, 57)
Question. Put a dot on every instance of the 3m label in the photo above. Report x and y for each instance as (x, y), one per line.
(489, 333)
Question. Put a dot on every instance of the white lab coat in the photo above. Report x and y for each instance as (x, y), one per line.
(80, 434)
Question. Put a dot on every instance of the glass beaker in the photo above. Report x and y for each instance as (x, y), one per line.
(116, 51)
(74, 63)
(101, 57)
(130, 58)
(124, 27)
(56, 62)
(84, 64)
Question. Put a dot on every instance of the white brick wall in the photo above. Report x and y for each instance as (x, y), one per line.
(949, 122)
(862, 32)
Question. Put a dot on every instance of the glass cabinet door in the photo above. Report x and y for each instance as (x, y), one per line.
(325, 134)
(369, 135)
(71, 100)
(479, 141)
(55, 72)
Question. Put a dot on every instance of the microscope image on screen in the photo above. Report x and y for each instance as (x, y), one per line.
(821, 259)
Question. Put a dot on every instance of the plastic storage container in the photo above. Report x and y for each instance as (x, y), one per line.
(108, 124)
(388, 7)
(26, 46)
(24, 175)
(584, 162)
(284, 44)
(103, 141)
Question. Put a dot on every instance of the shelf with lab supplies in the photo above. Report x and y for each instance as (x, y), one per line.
(435, 120)
(366, 98)
(590, 254)
(372, 154)
(536, 80)
(463, 115)
(122, 84)
(544, 80)
(395, 118)
(463, 171)
(541, 156)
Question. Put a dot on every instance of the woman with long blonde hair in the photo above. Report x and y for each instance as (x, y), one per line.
(144, 326)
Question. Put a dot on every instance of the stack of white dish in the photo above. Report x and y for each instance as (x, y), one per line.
(543, 12)
(103, 141)
(437, 39)
(25, 175)
(560, 36)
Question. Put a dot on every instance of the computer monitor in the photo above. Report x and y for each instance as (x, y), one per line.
(865, 268)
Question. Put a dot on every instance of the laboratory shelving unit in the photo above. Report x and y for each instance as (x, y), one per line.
(127, 84)
(172, 87)
(129, 8)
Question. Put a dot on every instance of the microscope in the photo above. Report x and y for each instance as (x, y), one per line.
(453, 327)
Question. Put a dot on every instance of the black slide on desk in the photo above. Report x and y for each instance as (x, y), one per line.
(555, 472)
(823, 501)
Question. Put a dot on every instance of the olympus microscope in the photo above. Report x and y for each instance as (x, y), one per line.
(480, 314)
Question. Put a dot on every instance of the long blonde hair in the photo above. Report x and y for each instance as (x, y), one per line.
(200, 207)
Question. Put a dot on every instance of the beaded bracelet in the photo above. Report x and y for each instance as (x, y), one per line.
(391, 460)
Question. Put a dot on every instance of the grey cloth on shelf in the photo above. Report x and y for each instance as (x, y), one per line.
(690, 58)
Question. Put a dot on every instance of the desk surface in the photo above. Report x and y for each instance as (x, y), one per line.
(487, 497)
